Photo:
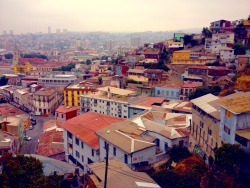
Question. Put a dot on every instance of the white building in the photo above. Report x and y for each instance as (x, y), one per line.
(45, 101)
(227, 55)
(80, 140)
(108, 100)
(144, 139)
(57, 80)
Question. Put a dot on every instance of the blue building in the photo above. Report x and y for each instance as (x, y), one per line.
(235, 120)
(170, 91)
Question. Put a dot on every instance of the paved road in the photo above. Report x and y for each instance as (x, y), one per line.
(29, 147)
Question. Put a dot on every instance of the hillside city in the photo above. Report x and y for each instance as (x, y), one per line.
(146, 109)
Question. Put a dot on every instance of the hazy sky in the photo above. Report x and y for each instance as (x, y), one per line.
(24, 16)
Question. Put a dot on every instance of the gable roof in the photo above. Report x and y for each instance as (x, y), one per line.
(120, 175)
(85, 126)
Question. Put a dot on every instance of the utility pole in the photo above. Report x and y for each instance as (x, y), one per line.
(107, 163)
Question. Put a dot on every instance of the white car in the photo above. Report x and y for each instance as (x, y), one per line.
(28, 138)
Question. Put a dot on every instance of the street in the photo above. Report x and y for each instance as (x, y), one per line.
(29, 147)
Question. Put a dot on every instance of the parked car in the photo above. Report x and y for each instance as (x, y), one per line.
(33, 122)
(38, 113)
(45, 115)
(31, 127)
(28, 138)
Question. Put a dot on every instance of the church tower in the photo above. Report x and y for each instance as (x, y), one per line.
(16, 56)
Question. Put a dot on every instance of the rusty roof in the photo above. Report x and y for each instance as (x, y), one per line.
(66, 109)
(238, 104)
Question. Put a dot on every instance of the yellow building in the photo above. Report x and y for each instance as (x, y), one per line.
(72, 93)
(184, 57)
(22, 68)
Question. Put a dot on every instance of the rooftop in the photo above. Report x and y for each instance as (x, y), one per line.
(120, 175)
(45, 91)
(149, 101)
(85, 126)
(238, 104)
(66, 109)
(244, 133)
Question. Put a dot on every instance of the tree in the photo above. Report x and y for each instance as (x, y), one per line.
(239, 49)
(203, 90)
(228, 156)
(187, 39)
(177, 153)
(20, 171)
(88, 62)
(200, 91)
(206, 32)
(3, 80)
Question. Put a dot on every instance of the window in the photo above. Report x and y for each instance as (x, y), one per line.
(226, 129)
(82, 145)
(241, 140)
(93, 152)
(77, 141)
(201, 124)
(77, 154)
(69, 135)
(158, 92)
(228, 114)
(126, 158)
(82, 158)
(209, 131)
(114, 151)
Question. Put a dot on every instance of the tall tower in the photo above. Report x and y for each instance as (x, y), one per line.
(16, 56)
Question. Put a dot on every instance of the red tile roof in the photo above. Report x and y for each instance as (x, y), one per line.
(66, 109)
(190, 85)
(85, 126)
(51, 123)
(45, 143)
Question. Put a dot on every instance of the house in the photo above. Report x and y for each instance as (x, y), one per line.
(174, 46)
(144, 90)
(144, 139)
(169, 91)
(119, 175)
(108, 100)
(45, 101)
(186, 89)
(179, 37)
(14, 126)
(72, 93)
(154, 75)
(64, 113)
(81, 143)
(144, 104)
(8, 143)
(235, 119)
(152, 53)
(216, 26)
(204, 137)
(242, 62)
(227, 55)
(51, 144)
(187, 57)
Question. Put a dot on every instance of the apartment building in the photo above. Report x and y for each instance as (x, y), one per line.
(184, 57)
(73, 92)
(204, 137)
(81, 143)
(57, 80)
(235, 120)
(45, 101)
(108, 100)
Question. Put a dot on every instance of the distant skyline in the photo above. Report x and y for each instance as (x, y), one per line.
(31, 16)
